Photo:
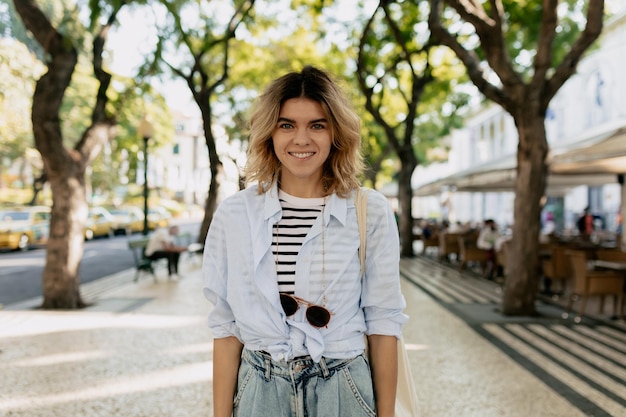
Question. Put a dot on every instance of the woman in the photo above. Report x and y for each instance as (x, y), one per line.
(281, 267)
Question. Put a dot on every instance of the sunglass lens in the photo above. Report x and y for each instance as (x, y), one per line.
(317, 316)
(290, 305)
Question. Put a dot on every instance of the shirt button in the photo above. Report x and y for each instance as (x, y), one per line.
(281, 356)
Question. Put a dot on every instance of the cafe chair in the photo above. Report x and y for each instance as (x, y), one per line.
(556, 268)
(612, 255)
(469, 252)
(448, 245)
(502, 256)
(431, 241)
(588, 282)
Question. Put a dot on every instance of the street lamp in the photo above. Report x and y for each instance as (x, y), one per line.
(145, 130)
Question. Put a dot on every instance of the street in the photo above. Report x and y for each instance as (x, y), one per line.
(21, 272)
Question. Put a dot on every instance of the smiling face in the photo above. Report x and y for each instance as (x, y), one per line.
(302, 142)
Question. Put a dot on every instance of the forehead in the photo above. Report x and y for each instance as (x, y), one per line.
(302, 108)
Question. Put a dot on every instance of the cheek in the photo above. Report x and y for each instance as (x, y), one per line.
(275, 145)
(329, 148)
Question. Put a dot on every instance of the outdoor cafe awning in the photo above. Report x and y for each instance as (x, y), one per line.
(604, 153)
(592, 160)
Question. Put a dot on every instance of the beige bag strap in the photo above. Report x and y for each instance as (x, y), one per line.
(406, 397)
(360, 202)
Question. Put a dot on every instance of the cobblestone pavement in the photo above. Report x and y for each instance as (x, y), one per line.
(584, 362)
(143, 350)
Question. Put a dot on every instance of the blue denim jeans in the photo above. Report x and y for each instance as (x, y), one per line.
(303, 388)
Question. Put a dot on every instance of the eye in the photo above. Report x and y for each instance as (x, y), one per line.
(285, 126)
(318, 126)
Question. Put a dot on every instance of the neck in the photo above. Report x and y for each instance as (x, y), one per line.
(305, 190)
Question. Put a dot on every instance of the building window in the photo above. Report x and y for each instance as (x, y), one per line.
(597, 98)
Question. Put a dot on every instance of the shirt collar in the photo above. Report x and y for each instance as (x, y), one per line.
(271, 204)
(335, 206)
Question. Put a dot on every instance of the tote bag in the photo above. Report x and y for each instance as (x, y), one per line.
(406, 399)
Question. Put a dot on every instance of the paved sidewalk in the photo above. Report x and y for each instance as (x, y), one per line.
(143, 350)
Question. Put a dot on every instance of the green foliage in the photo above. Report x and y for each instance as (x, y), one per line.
(78, 103)
(128, 101)
(11, 26)
(521, 30)
(404, 68)
(19, 69)
(120, 159)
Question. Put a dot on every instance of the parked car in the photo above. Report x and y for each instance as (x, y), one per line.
(99, 223)
(158, 217)
(23, 227)
(129, 219)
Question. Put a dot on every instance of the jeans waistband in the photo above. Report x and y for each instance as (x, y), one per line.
(302, 365)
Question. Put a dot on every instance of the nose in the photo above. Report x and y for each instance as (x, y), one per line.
(301, 137)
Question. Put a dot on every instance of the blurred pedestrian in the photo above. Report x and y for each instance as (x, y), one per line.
(585, 223)
(488, 237)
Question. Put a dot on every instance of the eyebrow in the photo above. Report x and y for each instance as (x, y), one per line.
(284, 119)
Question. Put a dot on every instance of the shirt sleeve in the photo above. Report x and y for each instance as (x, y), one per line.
(382, 300)
(214, 273)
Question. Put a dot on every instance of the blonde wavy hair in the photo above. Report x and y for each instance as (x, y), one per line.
(345, 162)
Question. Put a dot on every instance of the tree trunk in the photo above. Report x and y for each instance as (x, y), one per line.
(65, 168)
(211, 202)
(408, 162)
(61, 280)
(522, 282)
(38, 185)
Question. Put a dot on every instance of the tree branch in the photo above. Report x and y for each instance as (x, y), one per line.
(593, 29)
(547, 32)
(99, 132)
(368, 92)
(469, 58)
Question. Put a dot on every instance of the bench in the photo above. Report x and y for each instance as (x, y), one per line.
(193, 248)
(142, 262)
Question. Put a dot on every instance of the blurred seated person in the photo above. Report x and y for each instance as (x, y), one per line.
(162, 244)
(428, 229)
(548, 226)
(585, 224)
(459, 228)
(487, 239)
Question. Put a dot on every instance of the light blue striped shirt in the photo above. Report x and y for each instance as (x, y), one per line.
(239, 275)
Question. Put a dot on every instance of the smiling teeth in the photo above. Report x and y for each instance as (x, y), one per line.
(302, 154)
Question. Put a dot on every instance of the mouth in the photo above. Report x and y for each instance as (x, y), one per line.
(301, 155)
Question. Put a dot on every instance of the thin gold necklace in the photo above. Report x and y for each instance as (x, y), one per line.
(323, 255)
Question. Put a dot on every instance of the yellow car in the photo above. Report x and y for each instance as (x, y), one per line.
(99, 223)
(129, 219)
(158, 217)
(22, 227)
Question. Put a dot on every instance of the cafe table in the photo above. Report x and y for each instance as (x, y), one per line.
(613, 265)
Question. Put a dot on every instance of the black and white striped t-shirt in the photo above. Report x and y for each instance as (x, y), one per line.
(299, 214)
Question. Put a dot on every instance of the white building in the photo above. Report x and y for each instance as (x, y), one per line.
(187, 165)
(587, 116)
